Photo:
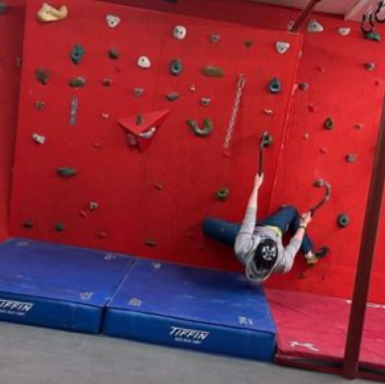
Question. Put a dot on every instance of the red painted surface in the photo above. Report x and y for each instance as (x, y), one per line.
(11, 32)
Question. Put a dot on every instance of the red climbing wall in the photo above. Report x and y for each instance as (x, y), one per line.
(11, 32)
(164, 193)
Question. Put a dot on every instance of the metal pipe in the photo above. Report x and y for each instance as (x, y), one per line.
(366, 257)
(304, 14)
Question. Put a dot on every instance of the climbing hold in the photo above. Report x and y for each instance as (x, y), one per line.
(105, 116)
(314, 26)
(144, 62)
(268, 112)
(320, 69)
(370, 66)
(179, 32)
(77, 54)
(223, 194)
(159, 186)
(112, 21)
(343, 220)
(102, 235)
(139, 120)
(151, 242)
(113, 54)
(38, 138)
(215, 38)
(59, 227)
(132, 140)
(282, 47)
(74, 110)
(66, 172)
(138, 92)
(28, 224)
(39, 105)
(83, 214)
(193, 88)
(43, 75)
(303, 86)
(267, 140)
(77, 82)
(107, 82)
(3, 8)
(275, 86)
(172, 96)
(176, 67)
(358, 126)
(319, 183)
(323, 150)
(312, 108)
(47, 13)
(306, 136)
(329, 123)
(249, 43)
(351, 158)
(213, 71)
(205, 101)
(201, 132)
(344, 31)
(374, 36)
(94, 205)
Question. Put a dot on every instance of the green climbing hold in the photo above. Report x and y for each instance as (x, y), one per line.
(66, 172)
(43, 75)
(59, 227)
(343, 220)
(77, 54)
(212, 71)
(329, 123)
(113, 54)
(28, 224)
(375, 36)
(275, 86)
(201, 132)
(223, 194)
(139, 120)
(77, 82)
(176, 67)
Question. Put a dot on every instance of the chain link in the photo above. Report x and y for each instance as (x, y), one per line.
(230, 129)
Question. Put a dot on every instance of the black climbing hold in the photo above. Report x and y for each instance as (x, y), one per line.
(77, 54)
(43, 75)
(39, 105)
(249, 43)
(223, 194)
(139, 120)
(172, 96)
(77, 82)
(351, 158)
(176, 67)
(113, 54)
(329, 123)
(343, 220)
(267, 140)
(66, 172)
(107, 82)
(275, 86)
(3, 8)
(150, 242)
(201, 132)
(212, 71)
(28, 224)
(59, 227)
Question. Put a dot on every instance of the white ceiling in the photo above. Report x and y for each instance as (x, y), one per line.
(349, 9)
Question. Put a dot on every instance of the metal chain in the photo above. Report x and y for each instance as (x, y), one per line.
(229, 133)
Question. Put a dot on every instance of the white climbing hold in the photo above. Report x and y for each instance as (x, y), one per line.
(314, 26)
(282, 47)
(344, 31)
(144, 62)
(112, 21)
(148, 134)
(179, 32)
(38, 138)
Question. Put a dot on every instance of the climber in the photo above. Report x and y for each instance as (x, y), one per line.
(259, 247)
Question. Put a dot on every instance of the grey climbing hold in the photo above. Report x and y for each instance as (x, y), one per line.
(370, 66)
(39, 105)
(77, 82)
(351, 158)
(213, 71)
(343, 220)
(66, 172)
(172, 96)
(223, 194)
(215, 38)
(275, 86)
(176, 67)
(329, 123)
(282, 47)
(374, 36)
(107, 82)
(94, 205)
(113, 54)
(344, 31)
(28, 224)
(268, 112)
(3, 8)
(144, 62)
(201, 132)
(179, 32)
(74, 110)
(59, 227)
(314, 26)
(77, 54)
(112, 21)
(39, 139)
(303, 86)
(42, 75)
(138, 92)
(205, 101)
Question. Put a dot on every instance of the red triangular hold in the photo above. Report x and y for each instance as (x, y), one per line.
(141, 128)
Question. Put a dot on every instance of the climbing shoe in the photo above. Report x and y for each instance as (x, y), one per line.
(316, 255)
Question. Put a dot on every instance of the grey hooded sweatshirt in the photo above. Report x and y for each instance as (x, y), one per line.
(247, 241)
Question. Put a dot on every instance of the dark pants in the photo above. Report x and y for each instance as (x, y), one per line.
(288, 219)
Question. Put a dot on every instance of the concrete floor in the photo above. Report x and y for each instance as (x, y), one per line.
(30, 355)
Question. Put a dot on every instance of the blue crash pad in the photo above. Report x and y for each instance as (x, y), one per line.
(192, 308)
(57, 286)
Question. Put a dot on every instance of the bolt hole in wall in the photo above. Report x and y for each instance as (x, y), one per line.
(133, 209)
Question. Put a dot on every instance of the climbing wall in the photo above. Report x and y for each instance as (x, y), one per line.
(148, 201)
(346, 77)
(11, 31)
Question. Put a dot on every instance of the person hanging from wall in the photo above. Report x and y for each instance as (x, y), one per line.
(258, 244)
